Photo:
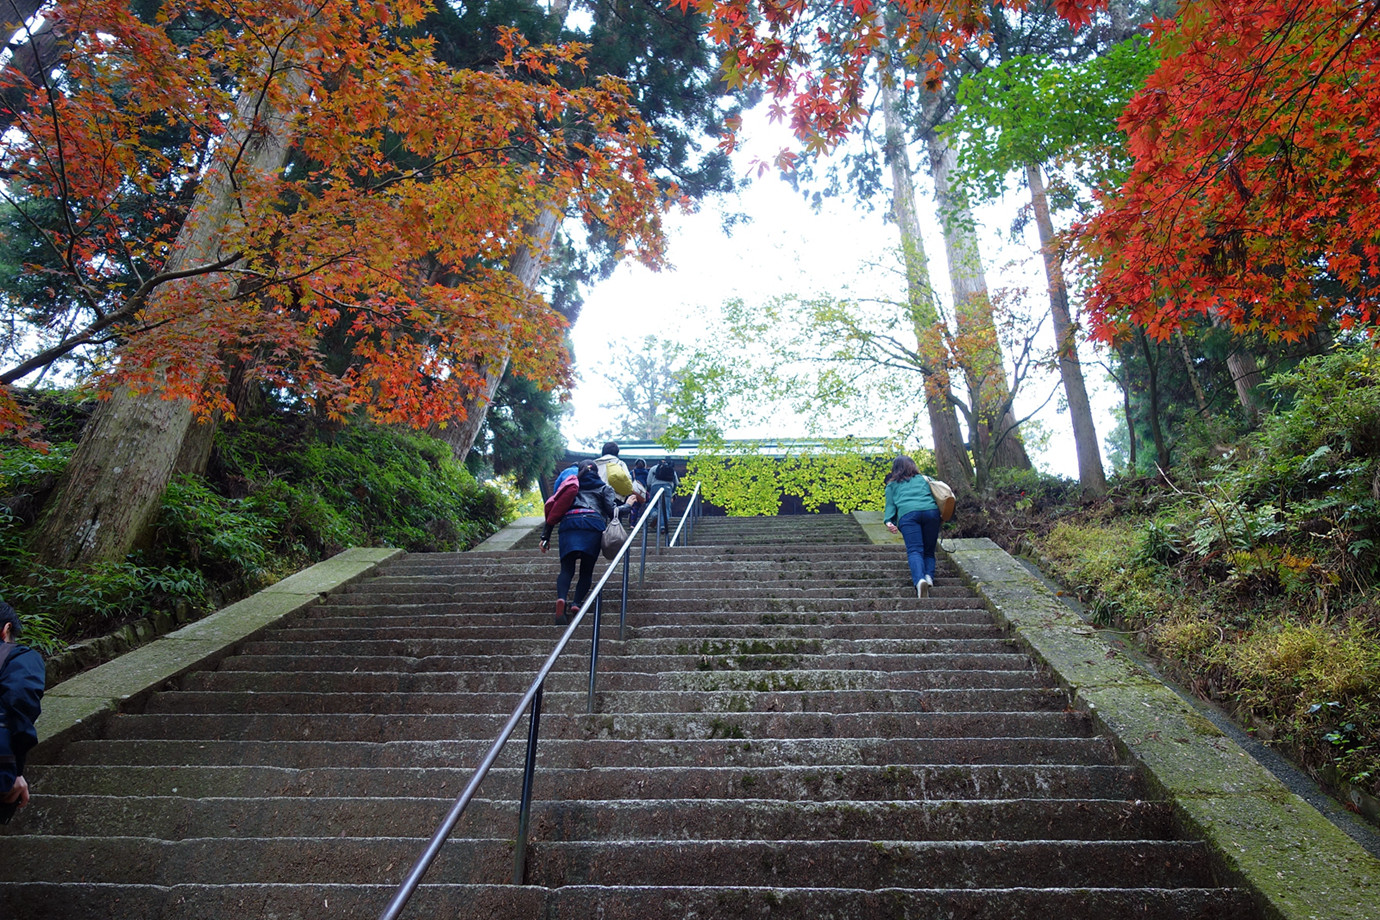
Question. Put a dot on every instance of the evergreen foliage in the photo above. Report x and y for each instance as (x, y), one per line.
(284, 491)
(1256, 571)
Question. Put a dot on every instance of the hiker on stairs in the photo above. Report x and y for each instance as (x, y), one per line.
(21, 688)
(582, 531)
(912, 510)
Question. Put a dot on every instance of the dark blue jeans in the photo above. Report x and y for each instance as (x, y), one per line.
(663, 507)
(920, 530)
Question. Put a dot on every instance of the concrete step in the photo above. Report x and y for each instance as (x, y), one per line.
(412, 769)
(611, 663)
(41, 901)
(385, 682)
(86, 763)
(933, 624)
(632, 726)
(698, 623)
(988, 641)
(178, 817)
(899, 600)
(789, 863)
(399, 631)
(985, 699)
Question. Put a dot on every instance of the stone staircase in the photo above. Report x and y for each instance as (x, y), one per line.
(787, 732)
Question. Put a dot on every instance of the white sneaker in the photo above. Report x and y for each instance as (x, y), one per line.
(923, 587)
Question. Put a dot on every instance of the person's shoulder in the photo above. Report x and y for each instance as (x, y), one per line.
(23, 662)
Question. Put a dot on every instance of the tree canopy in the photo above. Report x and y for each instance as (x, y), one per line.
(396, 157)
(1255, 183)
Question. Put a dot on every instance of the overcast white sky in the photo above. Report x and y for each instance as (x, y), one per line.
(789, 248)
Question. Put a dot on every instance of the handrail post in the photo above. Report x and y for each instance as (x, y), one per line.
(623, 610)
(651, 509)
(594, 651)
(529, 770)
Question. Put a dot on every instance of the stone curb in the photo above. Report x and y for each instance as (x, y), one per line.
(871, 523)
(506, 538)
(75, 708)
(1300, 865)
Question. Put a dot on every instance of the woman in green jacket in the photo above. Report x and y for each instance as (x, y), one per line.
(912, 510)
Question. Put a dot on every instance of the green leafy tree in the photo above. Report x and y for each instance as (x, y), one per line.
(835, 364)
(643, 374)
(1033, 116)
(843, 472)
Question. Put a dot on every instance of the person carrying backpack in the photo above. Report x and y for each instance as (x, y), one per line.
(614, 471)
(580, 536)
(22, 676)
(663, 476)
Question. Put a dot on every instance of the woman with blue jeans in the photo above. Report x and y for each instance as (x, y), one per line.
(912, 511)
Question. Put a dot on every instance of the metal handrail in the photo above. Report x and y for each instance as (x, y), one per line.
(692, 511)
(531, 698)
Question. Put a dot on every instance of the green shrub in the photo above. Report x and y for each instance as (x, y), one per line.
(283, 492)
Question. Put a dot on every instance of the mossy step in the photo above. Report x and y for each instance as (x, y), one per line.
(273, 644)
(175, 817)
(254, 768)
(384, 682)
(832, 754)
(669, 725)
(644, 701)
(40, 901)
(792, 863)
(611, 663)
(399, 629)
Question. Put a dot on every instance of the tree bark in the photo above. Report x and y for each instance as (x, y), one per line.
(973, 313)
(1090, 473)
(950, 454)
(462, 431)
(1245, 374)
(1156, 427)
(1192, 371)
(113, 487)
(1125, 383)
(40, 52)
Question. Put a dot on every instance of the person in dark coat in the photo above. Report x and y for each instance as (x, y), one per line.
(22, 676)
(581, 536)
(663, 476)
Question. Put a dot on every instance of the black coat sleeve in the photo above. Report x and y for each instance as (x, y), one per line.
(21, 691)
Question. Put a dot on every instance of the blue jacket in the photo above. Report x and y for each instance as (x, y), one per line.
(22, 678)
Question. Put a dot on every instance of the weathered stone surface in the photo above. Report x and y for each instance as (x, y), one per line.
(871, 523)
(787, 731)
(508, 537)
(97, 692)
(336, 572)
(1300, 864)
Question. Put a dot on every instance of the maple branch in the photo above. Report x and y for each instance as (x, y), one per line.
(131, 306)
(92, 301)
(423, 172)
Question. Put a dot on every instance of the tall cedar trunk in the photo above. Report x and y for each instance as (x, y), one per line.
(1130, 419)
(1192, 371)
(973, 312)
(461, 432)
(1245, 374)
(950, 454)
(1156, 428)
(526, 267)
(113, 487)
(1090, 472)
